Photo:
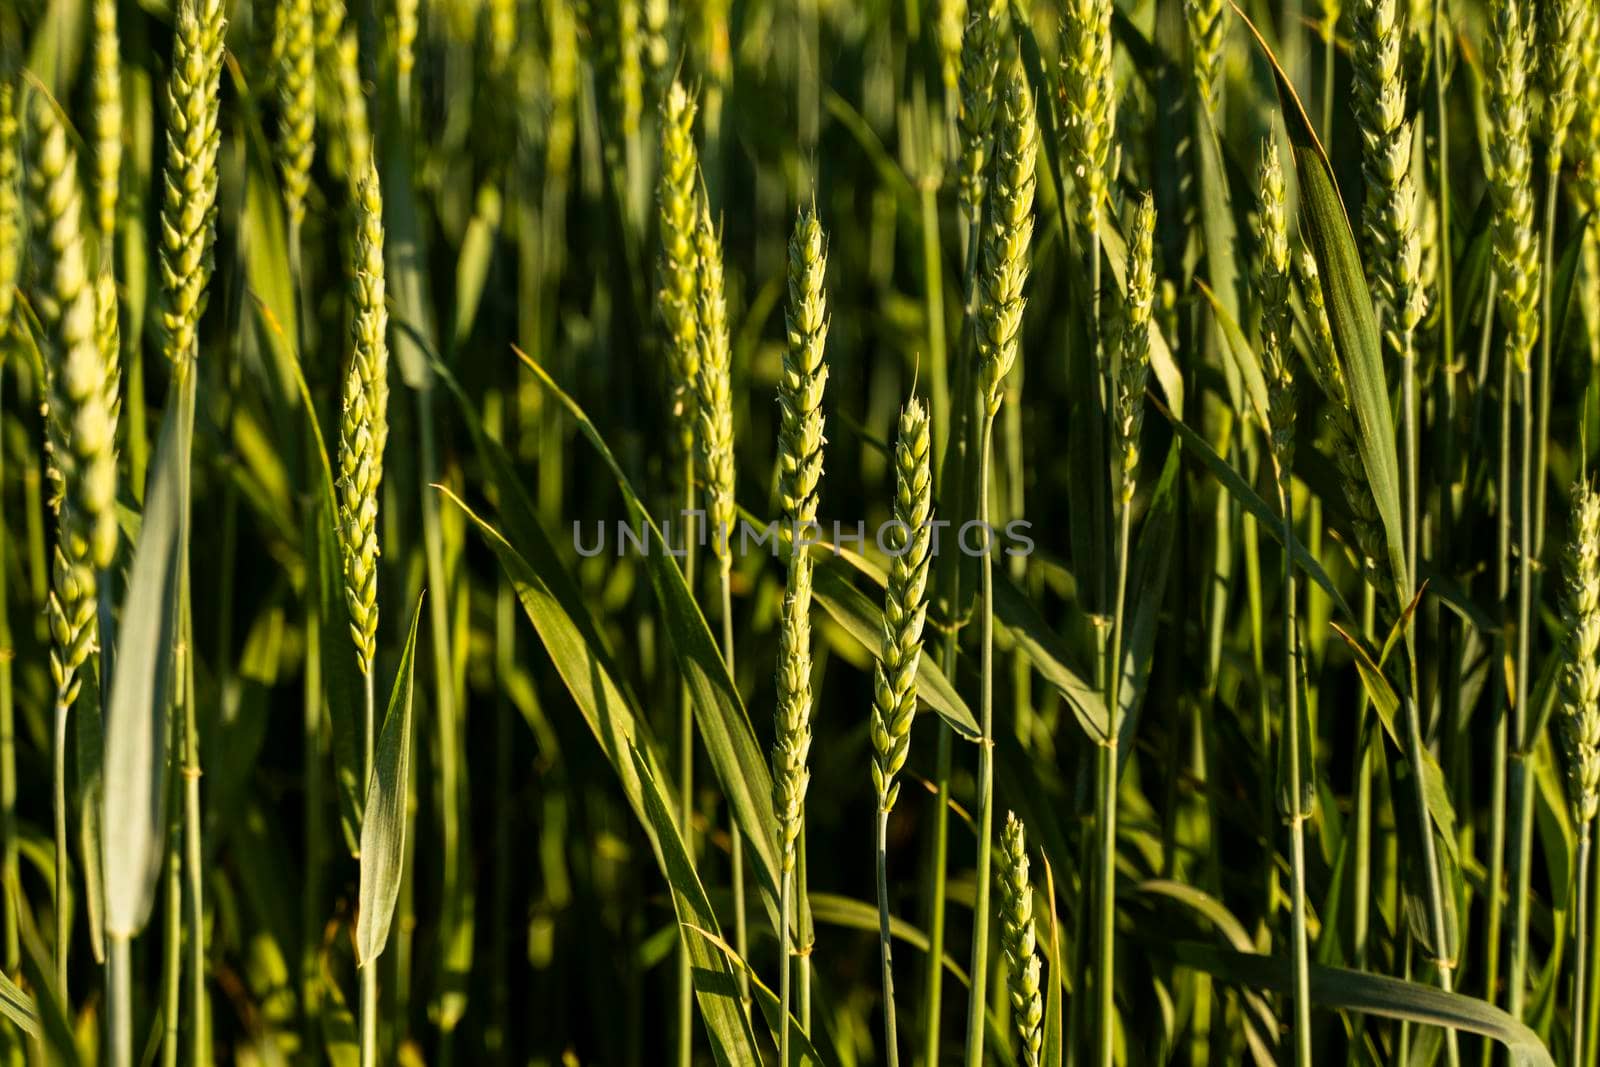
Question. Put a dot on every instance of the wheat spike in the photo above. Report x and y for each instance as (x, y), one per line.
(1088, 107)
(979, 71)
(106, 88)
(1516, 249)
(1389, 210)
(1580, 674)
(1006, 239)
(905, 606)
(370, 328)
(80, 431)
(1017, 940)
(1208, 28)
(712, 386)
(297, 101)
(804, 374)
(188, 208)
(1272, 289)
(1563, 27)
(1134, 363)
(678, 264)
(952, 25)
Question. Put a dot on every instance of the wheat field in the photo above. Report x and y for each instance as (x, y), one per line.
(1023, 532)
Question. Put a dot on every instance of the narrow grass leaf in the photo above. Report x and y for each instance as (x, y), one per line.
(730, 741)
(136, 764)
(383, 822)
(1371, 994)
(1355, 326)
(18, 1007)
(732, 1041)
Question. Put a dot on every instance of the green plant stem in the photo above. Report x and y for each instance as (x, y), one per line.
(192, 837)
(741, 941)
(1361, 894)
(1408, 401)
(1297, 817)
(1328, 55)
(1580, 946)
(979, 972)
(802, 962)
(785, 961)
(933, 995)
(1521, 845)
(368, 968)
(62, 887)
(172, 935)
(119, 1001)
(1501, 743)
(686, 775)
(891, 1043)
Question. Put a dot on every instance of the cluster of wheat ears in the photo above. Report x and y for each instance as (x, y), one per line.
(1293, 712)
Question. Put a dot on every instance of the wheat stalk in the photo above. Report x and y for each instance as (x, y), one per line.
(1007, 236)
(1017, 939)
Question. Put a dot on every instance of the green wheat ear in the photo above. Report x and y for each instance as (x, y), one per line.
(979, 65)
(677, 297)
(712, 386)
(1509, 166)
(1017, 939)
(1580, 675)
(294, 46)
(1134, 364)
(1272, 289)
(189, 204)
(1208, 28)
(106, 90)
(1088, 104)
(80, 426)
(905, 605)
(1007, 236)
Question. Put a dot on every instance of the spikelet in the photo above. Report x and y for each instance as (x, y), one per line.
(1088, 107)
(1017, 939)
(10, 200)
(80, 430)
(1516, 250)
(657, 47)
(294, 47)
(804, 374)
(715, 430)
(370, 328)
(1007, 235)
(952, 21)
(979, 72)
(1208, 28)
(106, 88)
(1563, 26)
(1272, 290)
(1324, 364)
(905, 606)
(677, 267)
(188, 208)
(1580, 675)
(1134, 364)
(614, 32)
(1389, 210)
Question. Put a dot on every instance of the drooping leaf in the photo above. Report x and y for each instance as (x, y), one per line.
(383, 820)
